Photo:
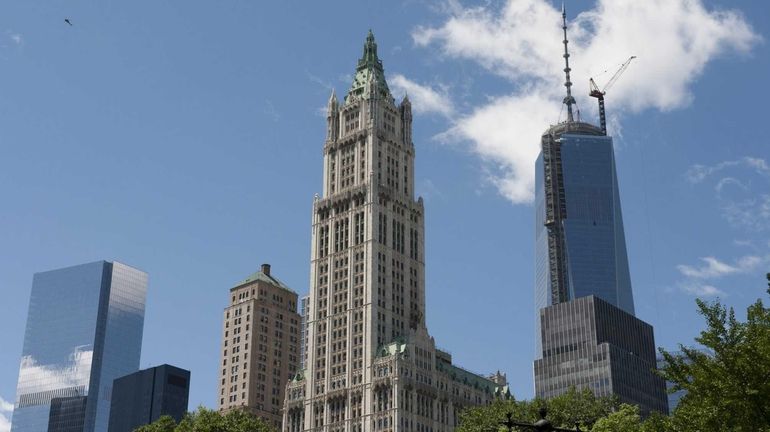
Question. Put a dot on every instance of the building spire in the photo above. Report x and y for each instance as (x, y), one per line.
(369, 67)
(568, 100)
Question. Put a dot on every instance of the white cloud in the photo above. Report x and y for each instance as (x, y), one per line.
(521, 41)
(698, 173)
(697, 277)
(6, 409)
(752, 213)
(702, 290)
(35, 377)
(424, 99)
(715, 268)
(16, 38)
(741, 204)
(493, 130)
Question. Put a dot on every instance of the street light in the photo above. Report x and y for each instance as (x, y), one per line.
(542, 425)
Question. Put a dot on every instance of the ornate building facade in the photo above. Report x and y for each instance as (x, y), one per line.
(370, 363)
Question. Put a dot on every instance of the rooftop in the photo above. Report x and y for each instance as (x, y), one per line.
(263, 275)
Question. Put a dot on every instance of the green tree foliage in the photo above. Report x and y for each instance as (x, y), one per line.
(625, 419)
(567, 410)
(206, 420)
(728, 388)
(163, 424)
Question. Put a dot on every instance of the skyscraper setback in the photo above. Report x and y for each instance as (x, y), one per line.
(371, 364)
(84, 329)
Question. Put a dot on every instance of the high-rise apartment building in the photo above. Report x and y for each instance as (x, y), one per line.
(142, 397)
(260, 346)
(587, 334)
(371, 364)
(84, 329)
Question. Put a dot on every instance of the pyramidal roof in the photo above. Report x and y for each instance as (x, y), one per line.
(260, 276)
(369, 71)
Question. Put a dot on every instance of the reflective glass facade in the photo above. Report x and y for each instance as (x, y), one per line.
(590, 343)
(590, 224)
(84, 329)
(143, 397)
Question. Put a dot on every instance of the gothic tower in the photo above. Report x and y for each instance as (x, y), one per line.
(371, 364)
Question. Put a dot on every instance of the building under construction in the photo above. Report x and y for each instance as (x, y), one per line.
(581, 252)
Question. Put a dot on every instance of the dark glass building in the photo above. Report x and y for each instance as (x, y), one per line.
(84, 329)
(143, 397)
(590, 343)
(67, 414)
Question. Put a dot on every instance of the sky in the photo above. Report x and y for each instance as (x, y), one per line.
(185, 139)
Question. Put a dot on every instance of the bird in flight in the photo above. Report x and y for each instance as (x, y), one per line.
(67, 20)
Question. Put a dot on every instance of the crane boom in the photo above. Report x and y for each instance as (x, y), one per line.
(599, 94)
(617, 75)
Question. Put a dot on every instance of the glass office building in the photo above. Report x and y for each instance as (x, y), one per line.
(84, 329)
(580, 246)
(590, 343)
(143, 397)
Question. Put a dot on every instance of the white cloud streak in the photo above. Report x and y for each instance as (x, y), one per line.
(698, 173)
(715, 268)
(425, 99)
(702, 290)
(521, 41)
(742, 205)
(698, 278)
(6, 409)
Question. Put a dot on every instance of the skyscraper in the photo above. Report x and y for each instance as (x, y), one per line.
(371, 364)
(142, 397)
(587, 334)
(84, 329)
(580, 245)
(260, 346)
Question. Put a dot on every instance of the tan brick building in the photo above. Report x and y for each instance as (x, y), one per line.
(260, 346)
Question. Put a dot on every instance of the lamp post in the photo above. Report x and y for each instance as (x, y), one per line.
(542, 425)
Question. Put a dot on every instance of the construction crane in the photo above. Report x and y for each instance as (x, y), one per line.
(599, 94)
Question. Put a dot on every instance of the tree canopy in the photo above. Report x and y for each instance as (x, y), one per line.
(206, 420)
(728, 385)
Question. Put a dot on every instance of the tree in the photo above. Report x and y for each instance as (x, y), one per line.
(728, 388)
(163, 424)
(567, 410)
(625, 419)
(206, 420)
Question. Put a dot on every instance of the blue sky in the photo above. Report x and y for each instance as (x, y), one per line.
(184, 138)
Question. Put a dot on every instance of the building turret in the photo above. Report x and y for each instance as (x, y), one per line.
(406, 118)
(332, 117)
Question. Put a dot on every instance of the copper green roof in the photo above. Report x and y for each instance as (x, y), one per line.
(467, 377)
(260, 276)
(369, 68)
(398, 346)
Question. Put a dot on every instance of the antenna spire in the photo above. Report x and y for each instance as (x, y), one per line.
(568, 100)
